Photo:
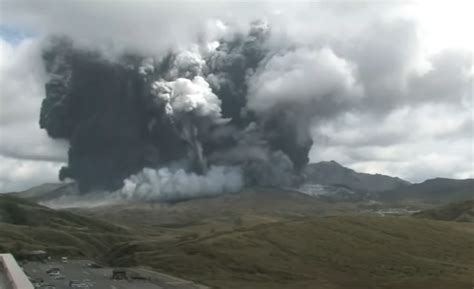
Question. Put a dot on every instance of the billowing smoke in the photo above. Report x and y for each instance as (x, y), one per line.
(168, 184)
(198, 121)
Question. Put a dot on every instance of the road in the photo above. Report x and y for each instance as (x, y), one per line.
(101, 278)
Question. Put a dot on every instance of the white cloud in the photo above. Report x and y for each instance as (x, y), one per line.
(146, 26)
(396, 106)
(27, 154)
(316, 76)
(17, 175)
(415, 143)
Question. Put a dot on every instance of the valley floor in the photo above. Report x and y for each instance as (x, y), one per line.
(255, 240)
(332, 252)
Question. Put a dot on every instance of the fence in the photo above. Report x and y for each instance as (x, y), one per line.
(13, 272)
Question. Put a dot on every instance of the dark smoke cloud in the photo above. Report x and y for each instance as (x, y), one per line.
(364, 78)
(187, 109)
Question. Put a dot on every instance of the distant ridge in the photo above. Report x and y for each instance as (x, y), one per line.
(438, 190)
(326, 180)
(48, 191)
(333, 174)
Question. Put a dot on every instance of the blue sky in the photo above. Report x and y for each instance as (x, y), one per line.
(13, 35)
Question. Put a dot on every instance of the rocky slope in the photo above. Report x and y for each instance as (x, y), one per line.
(334, 174)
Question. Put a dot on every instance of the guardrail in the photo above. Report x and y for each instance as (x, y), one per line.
(13, 272)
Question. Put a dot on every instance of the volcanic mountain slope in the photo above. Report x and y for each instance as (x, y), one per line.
(332, 181)
(260, 238)
(334, 174)
(326, 181)
(439, 190)
(47, 192)
(460, 212)
(25, 225)
(265, 238)
(331, 252)
(251, 206)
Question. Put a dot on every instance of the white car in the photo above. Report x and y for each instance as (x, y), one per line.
(59, 277)
(77, 284)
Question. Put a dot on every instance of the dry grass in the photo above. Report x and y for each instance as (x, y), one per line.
(336, 252)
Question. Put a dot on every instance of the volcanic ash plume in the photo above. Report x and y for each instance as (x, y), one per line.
(168, 184)
(179, 125)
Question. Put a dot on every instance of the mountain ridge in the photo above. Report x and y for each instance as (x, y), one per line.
(334, 174)
(438, 190)
(326, 180)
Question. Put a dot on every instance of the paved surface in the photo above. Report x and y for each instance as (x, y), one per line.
(101, 278)
(3, 281)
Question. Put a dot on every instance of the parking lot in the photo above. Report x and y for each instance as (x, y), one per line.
(79, 274)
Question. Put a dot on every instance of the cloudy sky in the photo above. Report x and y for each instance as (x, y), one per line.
(403, 73)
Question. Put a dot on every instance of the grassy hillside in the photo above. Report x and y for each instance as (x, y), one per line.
(460, 212)
(266, 203)
(261, 238)
(25, 225)
(47, 191)
(332, 173)
(264, 238)
(437, 191)
(332, 252)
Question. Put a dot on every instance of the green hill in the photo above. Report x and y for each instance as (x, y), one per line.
(460, 212)
(267, 238)
(251, 206)
(436, 191)
(25, 225)
(334, 174)
(333, 252)
(261, 238)
(48, 191)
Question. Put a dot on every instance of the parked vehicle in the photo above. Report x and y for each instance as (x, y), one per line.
(54, 274)
(78, 284)
(59, 277)
(94, 265)
(53, 270)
